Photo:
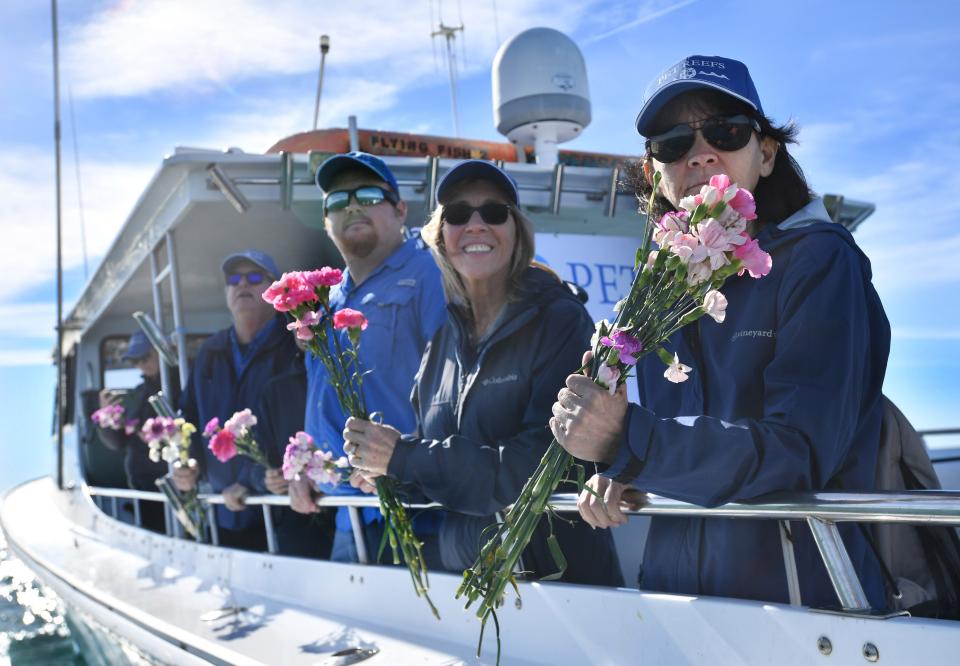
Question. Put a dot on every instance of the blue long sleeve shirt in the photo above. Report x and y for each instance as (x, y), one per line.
(404, 304)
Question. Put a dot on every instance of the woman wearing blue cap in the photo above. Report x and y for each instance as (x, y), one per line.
(486, 381)
(783, 396)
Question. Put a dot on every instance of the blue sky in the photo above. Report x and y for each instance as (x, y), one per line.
(875, 92)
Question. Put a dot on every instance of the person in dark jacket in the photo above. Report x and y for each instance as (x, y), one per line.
(279, 417)
(227, 376)
(784, 395)
(142, 472)
(486, 381)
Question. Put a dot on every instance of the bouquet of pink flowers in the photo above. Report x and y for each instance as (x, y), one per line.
(304, 458)
(305, 296)
(235, 437)
(111, 418)
(698, 249)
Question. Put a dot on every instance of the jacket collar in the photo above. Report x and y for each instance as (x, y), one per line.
(396, 260)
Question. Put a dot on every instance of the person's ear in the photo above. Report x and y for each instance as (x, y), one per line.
(401, 208)
(768, 155)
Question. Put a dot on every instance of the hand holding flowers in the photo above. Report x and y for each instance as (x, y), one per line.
(234, 438)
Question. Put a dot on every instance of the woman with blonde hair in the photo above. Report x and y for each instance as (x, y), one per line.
(487, 380)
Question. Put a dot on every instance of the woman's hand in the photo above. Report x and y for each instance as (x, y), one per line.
(302, 496)
(369, 446)
(364, 480)
(592, 509)
(587, 420)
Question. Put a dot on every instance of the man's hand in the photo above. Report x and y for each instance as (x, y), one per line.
(234, 496)
(274, 481)
(108, 397)
(185, 477)
(587, 420)
(369, 446)
(302, 496)
(592, 509)
(364, 480)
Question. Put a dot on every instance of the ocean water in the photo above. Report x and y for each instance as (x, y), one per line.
(33, 627)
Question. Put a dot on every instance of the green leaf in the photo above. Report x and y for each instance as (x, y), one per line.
(558, 558)
(664, 356)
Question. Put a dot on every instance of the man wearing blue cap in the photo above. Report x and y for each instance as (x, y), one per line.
(141, 471)
(227, 376)
(784, 395)
(394, 281)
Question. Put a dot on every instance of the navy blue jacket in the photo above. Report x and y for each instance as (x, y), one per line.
(784, 396)
(482, 415)
(214, 389)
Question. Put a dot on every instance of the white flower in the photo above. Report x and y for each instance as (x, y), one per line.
(676, 372)
(715, 305)
(607, 377)
(170, 454)
(605, 325)
(698, 273)
(730, 192)
(154, 451)
(689, 203)
(710, 194)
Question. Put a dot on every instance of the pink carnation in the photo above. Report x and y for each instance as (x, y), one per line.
(757, 262)
(224, 445)
(303, 326)
(289, 291)
(323, 277)
(157, 428)
(213, 425)
(744, 204)
(348, 318)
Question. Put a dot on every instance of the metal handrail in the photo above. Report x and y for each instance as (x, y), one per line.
(820, 510)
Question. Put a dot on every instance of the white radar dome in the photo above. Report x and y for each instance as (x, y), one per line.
(540, 93)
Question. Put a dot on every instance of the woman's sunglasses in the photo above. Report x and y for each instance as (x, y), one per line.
(727, 134)
(458, 214)
(253, 278)
(368, 195)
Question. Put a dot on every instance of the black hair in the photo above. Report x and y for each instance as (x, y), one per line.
(778, 195)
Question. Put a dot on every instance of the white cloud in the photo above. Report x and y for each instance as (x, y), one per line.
(22, 357)
(28, 216)
(152, 45)
(644, 14)
(28, 320)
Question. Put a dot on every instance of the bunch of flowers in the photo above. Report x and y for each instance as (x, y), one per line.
(169, 439)
(235, 437)
(305, 297)
(698, 249)
(111, 418)
(304, 458)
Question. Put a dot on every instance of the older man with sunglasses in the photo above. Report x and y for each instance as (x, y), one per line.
(394, 281)
(228, 375)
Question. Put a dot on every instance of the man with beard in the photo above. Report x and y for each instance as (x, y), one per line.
(227, 376)
(394, 281)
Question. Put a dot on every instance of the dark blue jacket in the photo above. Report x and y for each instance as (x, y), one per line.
(482, 414)
(784, 396)
(214, 389)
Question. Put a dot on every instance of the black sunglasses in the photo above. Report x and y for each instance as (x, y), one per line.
(253, 278)
(458, 214)
(727, 134)
(367, 195)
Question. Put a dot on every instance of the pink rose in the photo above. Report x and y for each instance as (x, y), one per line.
(323, 277)
(757, 262)
(349, 318)
(224, 445)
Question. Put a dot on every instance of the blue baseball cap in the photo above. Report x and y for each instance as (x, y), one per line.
(261, 259)
(137, 347)
(478, 169)
(697, 72)
(335, 165)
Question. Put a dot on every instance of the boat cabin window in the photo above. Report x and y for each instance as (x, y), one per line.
(116, 373)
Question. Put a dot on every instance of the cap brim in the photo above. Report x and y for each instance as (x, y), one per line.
(330, 168)
(653, 105)
(233, 259)
(477, 169)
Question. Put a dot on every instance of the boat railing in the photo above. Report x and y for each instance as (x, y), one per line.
(821, 511)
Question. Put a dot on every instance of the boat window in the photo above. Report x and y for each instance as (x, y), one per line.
(116, 373)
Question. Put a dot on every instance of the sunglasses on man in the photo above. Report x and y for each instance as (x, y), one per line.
(723, 133)
(367, 195)
(253, 278)
(459, 213)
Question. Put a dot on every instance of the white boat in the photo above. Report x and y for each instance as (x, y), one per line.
(174, 600)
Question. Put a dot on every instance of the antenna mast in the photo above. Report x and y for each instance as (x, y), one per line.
(450, 34)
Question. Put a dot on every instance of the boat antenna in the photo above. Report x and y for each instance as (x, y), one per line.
(324, 47)
(76, 163)
(449, 33)
(496, 23)
(56, 141)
